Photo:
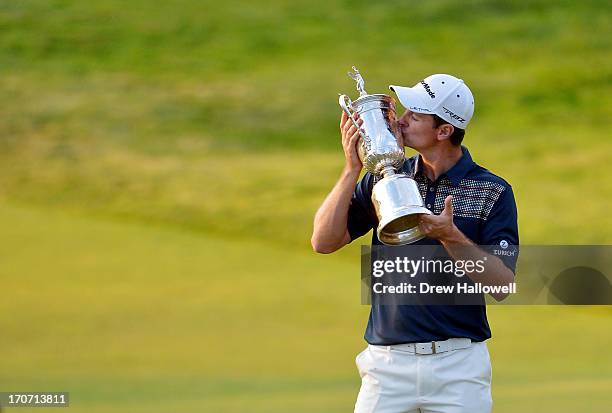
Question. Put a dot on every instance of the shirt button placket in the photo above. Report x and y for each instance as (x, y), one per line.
(430, 199)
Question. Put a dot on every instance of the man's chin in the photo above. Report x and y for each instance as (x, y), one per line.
(407, 144)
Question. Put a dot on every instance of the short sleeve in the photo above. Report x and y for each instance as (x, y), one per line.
(361, 215)
(501, 229)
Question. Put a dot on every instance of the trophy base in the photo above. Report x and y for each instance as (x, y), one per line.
(404, 229)
(398, 205)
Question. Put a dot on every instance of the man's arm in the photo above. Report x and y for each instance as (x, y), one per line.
(460, 247)
(330, 231)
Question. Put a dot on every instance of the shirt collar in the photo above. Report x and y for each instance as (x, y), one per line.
(457, 172)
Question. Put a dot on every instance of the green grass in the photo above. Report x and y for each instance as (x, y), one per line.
(149, 318)
(135, 72)
(160, 165)
(188, 113)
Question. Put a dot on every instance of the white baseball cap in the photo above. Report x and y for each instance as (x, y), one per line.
(440, 94)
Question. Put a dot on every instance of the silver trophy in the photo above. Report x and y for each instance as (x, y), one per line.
(396, 197)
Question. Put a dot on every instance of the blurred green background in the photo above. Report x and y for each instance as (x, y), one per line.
(160, 165)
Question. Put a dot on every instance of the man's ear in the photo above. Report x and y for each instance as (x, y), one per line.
(445, 131)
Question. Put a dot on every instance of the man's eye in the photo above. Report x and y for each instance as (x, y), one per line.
(414, 117)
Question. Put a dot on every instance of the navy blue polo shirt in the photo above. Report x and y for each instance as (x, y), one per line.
(483, 209)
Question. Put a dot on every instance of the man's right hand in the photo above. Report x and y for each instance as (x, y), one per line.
(350, 137)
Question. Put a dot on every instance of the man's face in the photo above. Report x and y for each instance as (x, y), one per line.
(417, 130)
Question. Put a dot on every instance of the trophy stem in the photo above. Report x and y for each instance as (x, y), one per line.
(388, 171)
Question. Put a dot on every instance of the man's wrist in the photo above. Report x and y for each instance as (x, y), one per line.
(454, 237)
(352, 172)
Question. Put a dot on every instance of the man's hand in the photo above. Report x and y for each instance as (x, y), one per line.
(440, 227)
(330, 231)
(350, 136)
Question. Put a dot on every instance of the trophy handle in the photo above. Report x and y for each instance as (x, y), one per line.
(346, 104)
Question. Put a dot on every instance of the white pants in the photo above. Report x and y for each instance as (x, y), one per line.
(395, 381)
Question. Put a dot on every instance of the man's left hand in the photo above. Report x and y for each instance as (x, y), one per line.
(441, 226)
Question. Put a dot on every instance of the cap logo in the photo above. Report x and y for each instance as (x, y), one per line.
(428, 90)
(452, 115)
